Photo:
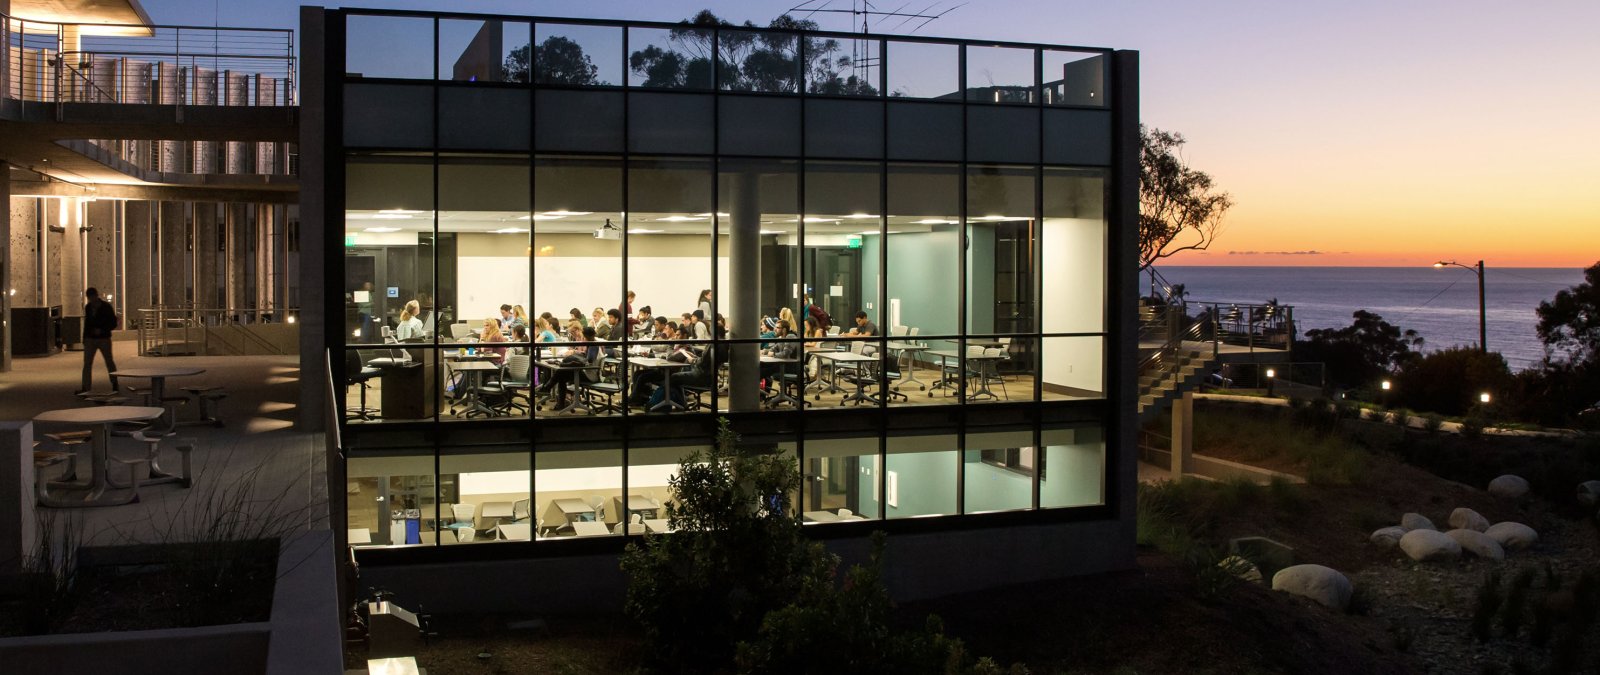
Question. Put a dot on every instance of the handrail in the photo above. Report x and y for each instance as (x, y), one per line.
(162, 327)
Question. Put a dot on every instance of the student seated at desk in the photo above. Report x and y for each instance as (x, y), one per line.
(644, 326)
(409, 326)
(784, 348)
(543, 333)
(864, 327)
(649, 379)
(519, 333)
(491, 333)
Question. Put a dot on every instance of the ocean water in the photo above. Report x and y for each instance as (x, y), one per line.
(1440, 304)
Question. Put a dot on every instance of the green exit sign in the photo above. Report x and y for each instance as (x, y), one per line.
(349, 240)
(853, 241)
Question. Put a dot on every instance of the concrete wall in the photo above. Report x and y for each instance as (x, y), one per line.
(24, 239)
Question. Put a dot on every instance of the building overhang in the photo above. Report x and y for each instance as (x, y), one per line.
(94, 17)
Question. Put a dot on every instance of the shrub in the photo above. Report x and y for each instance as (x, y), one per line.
(1449, 381)
(1472, 426)
(1488, 603)
(1432, 422)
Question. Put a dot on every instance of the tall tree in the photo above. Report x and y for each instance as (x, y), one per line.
(558, 60)
(749, 61)
(1361, 353)
(1180, 208)
(1569, 324)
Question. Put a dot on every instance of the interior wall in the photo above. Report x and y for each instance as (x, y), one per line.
(1074, 301)
(925, 483)
(24, 239)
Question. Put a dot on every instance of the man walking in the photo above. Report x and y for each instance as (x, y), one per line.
(99, 319)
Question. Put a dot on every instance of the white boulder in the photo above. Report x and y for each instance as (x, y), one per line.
(1467, 519)
(1513, 536)
(1429, 546)
(1416, 521)
(1322, 584)
(1589, 492)
(1478, 544)
(1509, 486)
(1388, 537)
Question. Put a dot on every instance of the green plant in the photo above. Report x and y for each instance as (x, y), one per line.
(1512, 611)
(49, 573)
(1432, 422)
(1488, 603)
(1472, 426)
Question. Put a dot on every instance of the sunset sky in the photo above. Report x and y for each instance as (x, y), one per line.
(1369, 132)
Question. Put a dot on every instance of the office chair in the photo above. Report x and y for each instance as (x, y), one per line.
(357, 374)
(520, 512)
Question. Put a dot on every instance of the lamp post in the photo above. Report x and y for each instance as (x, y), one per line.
(1483, 322)
(1272, 376)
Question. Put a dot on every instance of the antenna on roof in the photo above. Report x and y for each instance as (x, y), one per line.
(861, 57)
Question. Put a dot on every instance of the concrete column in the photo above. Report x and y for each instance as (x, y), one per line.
(67, 260)
(173, 257)
(744, 292)
(314, 179)
(16, 494)
(238, 270)
(1182, 434)
(139, 259)
(207, 291)
(6, 269)
(101, 248)
(25, 240)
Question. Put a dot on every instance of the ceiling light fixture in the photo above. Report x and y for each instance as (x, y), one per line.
(640, 230)
(509, 230)
(567, 213)
(382, 229)
(384, 215)
(681, 219)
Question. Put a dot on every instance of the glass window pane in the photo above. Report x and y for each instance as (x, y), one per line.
(840, 480)
(761, 198)
(391, 498)
(484, 495)
(1074, 470)
(843, 67)
(843, 208)
(1074, 78)
(1074, 242)
(765, 62)
(998, 470)
(1000, 255)
(924, 248)
(1000, 75)
(669, 235)
(924, 70)
(677, 58)
(920, 475)
(1072, 368)
(650, 467)
(369, 48)
(575, 55)
(575, 492)
(388, 236)
(481, 51)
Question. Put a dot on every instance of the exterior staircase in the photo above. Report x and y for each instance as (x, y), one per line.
(1173, 373)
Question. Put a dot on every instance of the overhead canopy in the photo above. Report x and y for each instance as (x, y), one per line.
(120, 17)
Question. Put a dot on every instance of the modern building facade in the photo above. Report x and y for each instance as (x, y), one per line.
(974, 202)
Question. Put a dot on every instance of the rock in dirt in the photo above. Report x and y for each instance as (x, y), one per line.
(1478, 544)
(1513, 536)
(1429, 546)
(1322, 584)
(1589, 492)
(1509, 486)
(1416, 521)
(1388, 537)
(1467, 519)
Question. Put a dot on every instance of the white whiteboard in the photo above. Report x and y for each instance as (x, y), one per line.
(668, 285)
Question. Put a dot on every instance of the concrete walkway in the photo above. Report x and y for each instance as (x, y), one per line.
(281, 471)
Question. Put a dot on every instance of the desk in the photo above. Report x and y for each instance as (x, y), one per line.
(821, 516)
(516, 531)
(358, 536)
(472, 403)
(99, 419)
(158, 382)
(666, 367)
(495, 510)
(850, 360)
(404, 392)
(556, 370)
(910, 375)
(984, 361)
(590, 529)
(657, 525)
(575, 509)
(782, 396)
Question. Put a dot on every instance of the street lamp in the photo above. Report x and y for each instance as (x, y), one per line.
(1271, 377)
(1483, 323)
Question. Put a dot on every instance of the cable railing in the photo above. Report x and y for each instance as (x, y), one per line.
(55, 63)
(193, 331)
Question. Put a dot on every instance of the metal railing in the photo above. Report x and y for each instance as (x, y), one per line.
(55, 63)
(189, 331)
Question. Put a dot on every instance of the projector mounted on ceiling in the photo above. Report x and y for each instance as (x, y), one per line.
(608, 231)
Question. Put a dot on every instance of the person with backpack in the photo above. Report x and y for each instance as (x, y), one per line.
(99, 319)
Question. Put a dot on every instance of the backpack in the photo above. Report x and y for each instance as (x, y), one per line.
(823, 320)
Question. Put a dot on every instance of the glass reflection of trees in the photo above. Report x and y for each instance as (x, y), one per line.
(750, 61)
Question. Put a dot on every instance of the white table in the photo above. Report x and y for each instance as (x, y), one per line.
(158, 382)
(516, 531)
(851, 360)
(357, 536)
(666, 367)
(985, 360)
(657, 525)
(472, 403)
(496, 510)
(589, 528)
(641, 503)
(910, 375)
(781, 396)
(821, 516)
(99, 420)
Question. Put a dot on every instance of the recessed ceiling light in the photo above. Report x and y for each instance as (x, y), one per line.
(508, 230)
(819, 219)
(384, 215)
(681, 219)
(541, 216)
(933, 221)
(382, 229)
(860, 216)
(640, 230)
(567, 213)
(398, 211)
(868, 232)
(773, 232)
(708, 215)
